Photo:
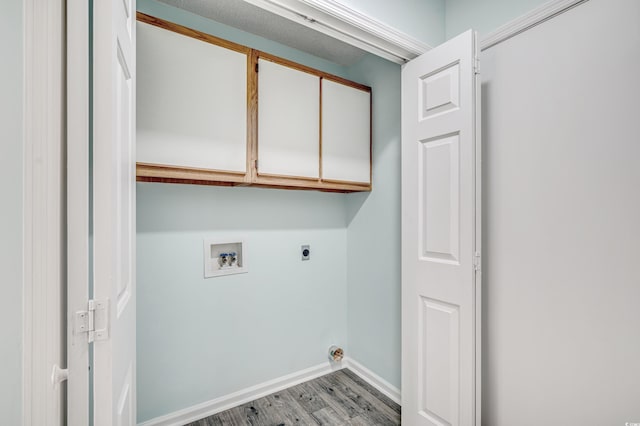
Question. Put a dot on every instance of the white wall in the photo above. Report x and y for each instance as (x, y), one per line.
(562, 221)
(199, 339)
(483, 16)
(11, 170)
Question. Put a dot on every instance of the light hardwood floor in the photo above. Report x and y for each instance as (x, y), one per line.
(339, 398)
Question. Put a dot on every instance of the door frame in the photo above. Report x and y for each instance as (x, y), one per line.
(44, 202)
(78, 138)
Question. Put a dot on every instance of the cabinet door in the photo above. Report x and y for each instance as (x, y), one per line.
(346, 133)
(192, 102)
(288, 121)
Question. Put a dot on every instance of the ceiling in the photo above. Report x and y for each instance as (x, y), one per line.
(260, 22)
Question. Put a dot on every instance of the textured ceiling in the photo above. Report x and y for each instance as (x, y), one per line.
(252, 19)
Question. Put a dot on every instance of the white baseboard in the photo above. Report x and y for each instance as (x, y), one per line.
(205, 409)
(373, 379)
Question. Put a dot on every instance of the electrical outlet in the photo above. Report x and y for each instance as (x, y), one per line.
(306, 252)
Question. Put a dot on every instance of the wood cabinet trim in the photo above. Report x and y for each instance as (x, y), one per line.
(305, 183)
(147, 170)
(290, 64)
(252, 116)
(277, 176)
(370, 138)
(320, 132)
(344, 182)
(189, 32)
(199, 35)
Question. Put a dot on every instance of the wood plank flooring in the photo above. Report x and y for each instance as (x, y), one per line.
(339, 398)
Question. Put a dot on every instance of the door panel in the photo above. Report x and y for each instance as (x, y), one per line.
(439, 356)
(439, 204)
(440, 236)
(440, 92)
(124, 103)
(114, 211)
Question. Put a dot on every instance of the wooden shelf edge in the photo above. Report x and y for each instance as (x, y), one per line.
(145, 172)
(320, 185)
(179, 175)
(156, 179)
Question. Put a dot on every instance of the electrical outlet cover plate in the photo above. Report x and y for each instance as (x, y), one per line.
(305, 251)
(214, 249)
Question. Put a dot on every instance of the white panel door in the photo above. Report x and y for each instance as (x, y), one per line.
(114, 212)
(192, 102)
(441, 236)
(346, 133)
(288, 121)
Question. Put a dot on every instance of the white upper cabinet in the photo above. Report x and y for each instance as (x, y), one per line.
(210, 111)
(288, 121)
(346, 133)
(192, 102)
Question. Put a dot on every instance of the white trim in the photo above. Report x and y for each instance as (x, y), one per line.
(343, 23)
(373, 27)
(240, 397)
(373, 379)
(44, 211)
(527, 21)
(339, 21)
(77, 206)
(243, 396)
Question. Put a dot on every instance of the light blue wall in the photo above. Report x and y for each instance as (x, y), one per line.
(484, 16)
(373, 253)
(199, 339)
(11, 27)
(421, 19)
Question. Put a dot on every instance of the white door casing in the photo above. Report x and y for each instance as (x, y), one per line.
(77, 208)
(441, 236)
(114, 210)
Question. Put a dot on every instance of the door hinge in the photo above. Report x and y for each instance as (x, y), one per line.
(94, 321)
(477, 261)
(257, 68)
(476, 65)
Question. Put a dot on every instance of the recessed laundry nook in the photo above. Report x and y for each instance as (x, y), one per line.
(320, 212)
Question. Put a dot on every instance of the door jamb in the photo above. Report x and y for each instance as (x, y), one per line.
(44, 228)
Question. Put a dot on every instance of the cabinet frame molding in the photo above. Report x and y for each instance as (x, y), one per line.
(146, 172)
